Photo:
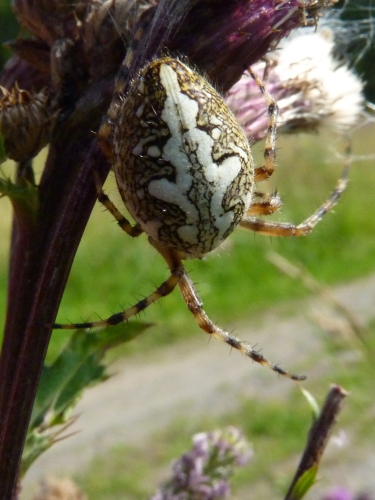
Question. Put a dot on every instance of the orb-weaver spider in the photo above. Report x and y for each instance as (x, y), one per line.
(185, 172)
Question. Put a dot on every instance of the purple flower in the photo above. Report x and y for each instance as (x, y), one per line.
(341, 493)
(203, 473)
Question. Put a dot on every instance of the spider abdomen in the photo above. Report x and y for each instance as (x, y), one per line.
(182, 163)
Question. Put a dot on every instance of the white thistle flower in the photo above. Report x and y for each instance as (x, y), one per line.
(311, 88)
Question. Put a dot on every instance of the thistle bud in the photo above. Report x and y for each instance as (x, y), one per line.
(25, 122)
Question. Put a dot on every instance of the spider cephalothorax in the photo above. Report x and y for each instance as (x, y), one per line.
(184, 170)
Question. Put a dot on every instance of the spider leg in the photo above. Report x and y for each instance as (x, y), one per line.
(264, 172)
(177, 271)
(194, 304)
(287, 229)
(265, 204)
(125, 225)
(179, 277)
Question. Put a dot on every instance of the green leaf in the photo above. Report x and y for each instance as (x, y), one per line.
(24, 196)
(77, 367)
(312, 403)
(304, 483)
(36, 443)
(80, 365)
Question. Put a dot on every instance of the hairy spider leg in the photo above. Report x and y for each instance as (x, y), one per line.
(177, 271)
(124, 224)
(268, 204)
(105, 134)
(194, 304)
(287, 229)
(180, 277)
(264, 172)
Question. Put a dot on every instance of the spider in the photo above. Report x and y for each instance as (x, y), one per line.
(185, 172)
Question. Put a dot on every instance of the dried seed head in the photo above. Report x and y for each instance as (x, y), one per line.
(25, 122)
(312, 89)
(182, 163)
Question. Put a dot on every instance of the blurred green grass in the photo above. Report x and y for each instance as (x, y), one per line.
(112, 271)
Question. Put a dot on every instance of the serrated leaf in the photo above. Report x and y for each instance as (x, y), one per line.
(77, 367)
(36, 443)
(23, 196)
(304, 483)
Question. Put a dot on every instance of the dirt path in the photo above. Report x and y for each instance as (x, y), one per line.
(147, 392)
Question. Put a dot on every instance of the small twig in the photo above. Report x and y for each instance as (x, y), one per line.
(319, 435)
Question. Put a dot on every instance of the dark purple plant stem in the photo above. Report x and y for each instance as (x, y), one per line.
(50, 250)
(319, 434)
